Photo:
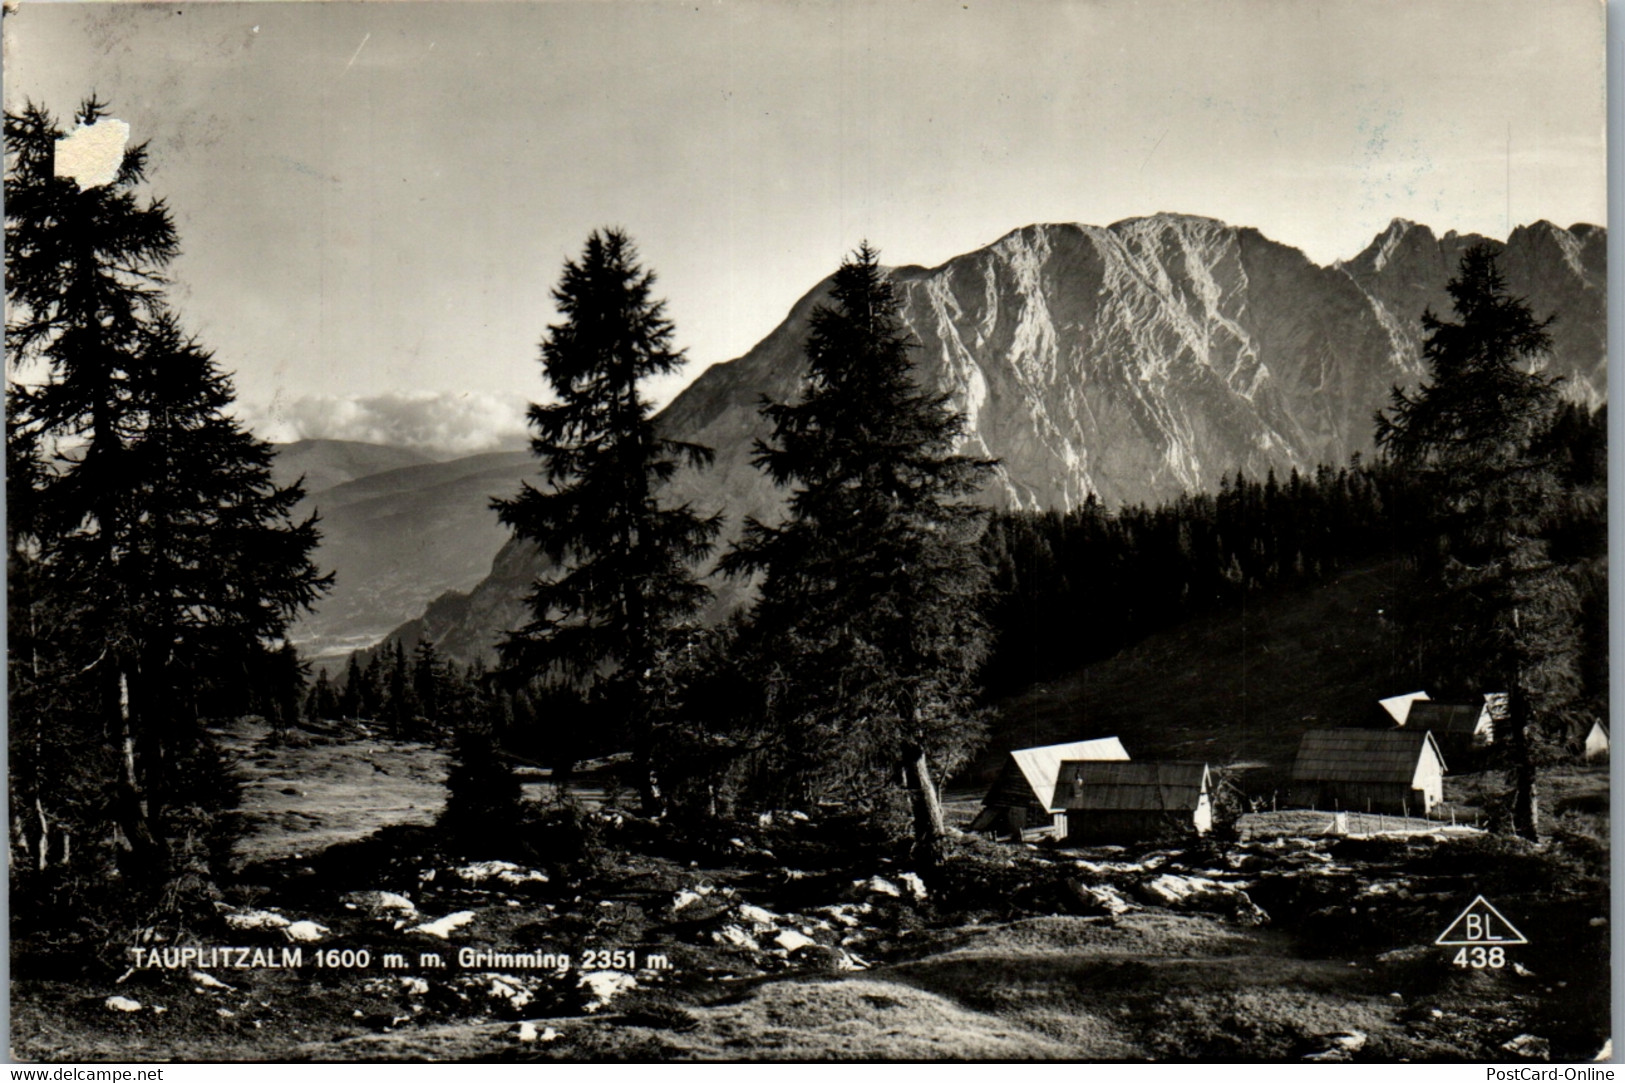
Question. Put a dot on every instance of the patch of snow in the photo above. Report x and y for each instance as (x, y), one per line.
(121, 1004)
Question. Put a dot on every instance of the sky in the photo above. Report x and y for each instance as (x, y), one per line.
(374, 200)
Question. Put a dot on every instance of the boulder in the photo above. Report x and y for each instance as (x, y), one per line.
(758, 919)
(821, 957)
(732, 936)
(599, 987)
(503, 872)
(876, 885)
(1529, 1047)
(382, 904)
(209, 981)
(1203, 893)
(305, 932)
(1097, 899)
(251, 920)
(444, 927)
(790, 940)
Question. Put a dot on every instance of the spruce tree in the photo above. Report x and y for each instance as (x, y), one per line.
(1497, 613)
(350, 702)
(402, 704)
(321, 704)
(428, 679)
(623, 580)
(374, 690)
(148, 505)
(869, 618)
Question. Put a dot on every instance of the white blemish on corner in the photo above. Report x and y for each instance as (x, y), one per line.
(92, 154)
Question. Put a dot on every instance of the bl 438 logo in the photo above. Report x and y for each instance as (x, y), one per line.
(1482, 933)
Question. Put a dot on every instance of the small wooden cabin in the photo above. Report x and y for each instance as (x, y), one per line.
(1398, 771)
(1021, 796)
(1463, 730)
(1132, 802)
(1596, 746)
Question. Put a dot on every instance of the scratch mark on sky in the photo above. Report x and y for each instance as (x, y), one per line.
(1153, 149)
(365, 37)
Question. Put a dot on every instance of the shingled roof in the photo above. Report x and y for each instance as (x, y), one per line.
(1460, 718)
(1040, 766)
(1144, 786)
(1363, 755)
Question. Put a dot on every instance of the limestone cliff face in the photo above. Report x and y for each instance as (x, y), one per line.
(1132, 361)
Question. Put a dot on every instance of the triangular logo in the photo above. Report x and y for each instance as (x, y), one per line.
(1480, 923)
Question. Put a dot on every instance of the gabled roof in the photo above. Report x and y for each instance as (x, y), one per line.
(1363, 755)
(1462, 718)
(1167, 786)
(1040, 766)
(1399, 707)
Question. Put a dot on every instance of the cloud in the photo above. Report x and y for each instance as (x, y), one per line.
(444, 421)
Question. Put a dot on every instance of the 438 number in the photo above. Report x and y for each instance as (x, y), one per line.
(1480, 957)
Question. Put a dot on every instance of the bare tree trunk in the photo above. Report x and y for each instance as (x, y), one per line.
(928, 823)
(649, 795)
(131, 807)
(1521, 771)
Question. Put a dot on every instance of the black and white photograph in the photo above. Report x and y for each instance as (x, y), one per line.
(598, 531)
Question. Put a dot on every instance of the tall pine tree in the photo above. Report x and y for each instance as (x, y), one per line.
(1498, 612)
(624, 580)
(869, 620)
(151, 512)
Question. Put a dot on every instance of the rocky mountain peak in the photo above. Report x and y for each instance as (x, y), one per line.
(1129, 361)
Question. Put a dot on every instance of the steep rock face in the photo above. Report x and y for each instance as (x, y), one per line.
(1132, 361)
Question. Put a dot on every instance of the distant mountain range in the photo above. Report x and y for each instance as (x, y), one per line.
(1132, 361)
(398, 529)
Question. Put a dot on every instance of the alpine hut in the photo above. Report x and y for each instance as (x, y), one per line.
(1131, 802)
(1021, 796)
(1596, 747)
(1398, 771)
(1463, 730)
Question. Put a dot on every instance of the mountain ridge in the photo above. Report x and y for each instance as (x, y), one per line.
(1132, 361)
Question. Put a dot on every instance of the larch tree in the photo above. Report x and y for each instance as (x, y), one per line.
(869, 623)
(151, 511)
(1496, 612)
(623, 581)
